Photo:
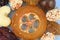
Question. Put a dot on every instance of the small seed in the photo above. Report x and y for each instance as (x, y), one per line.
(31, 29)
(24, 19)
(35, 23)
(23, 26)
(31, 16)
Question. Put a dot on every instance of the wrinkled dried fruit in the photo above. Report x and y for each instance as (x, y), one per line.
(32, 15)
(6, 34)
(47, 4)
(3, 2)
(31, 2)
(53, 27)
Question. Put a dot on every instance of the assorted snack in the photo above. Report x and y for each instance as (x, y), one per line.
(15, 4)
(4, 19)
(28, 21)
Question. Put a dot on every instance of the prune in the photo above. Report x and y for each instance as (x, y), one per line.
(6, 34)
(3, 2)
(47, 4)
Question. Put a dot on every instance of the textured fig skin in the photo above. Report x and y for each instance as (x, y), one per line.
(6, 34)
(15, 23)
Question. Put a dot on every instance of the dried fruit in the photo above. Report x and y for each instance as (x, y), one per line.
(28, 22)
(3, 2)
(31, 2)
(6, 34)
(47, 4)
(53, 27)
